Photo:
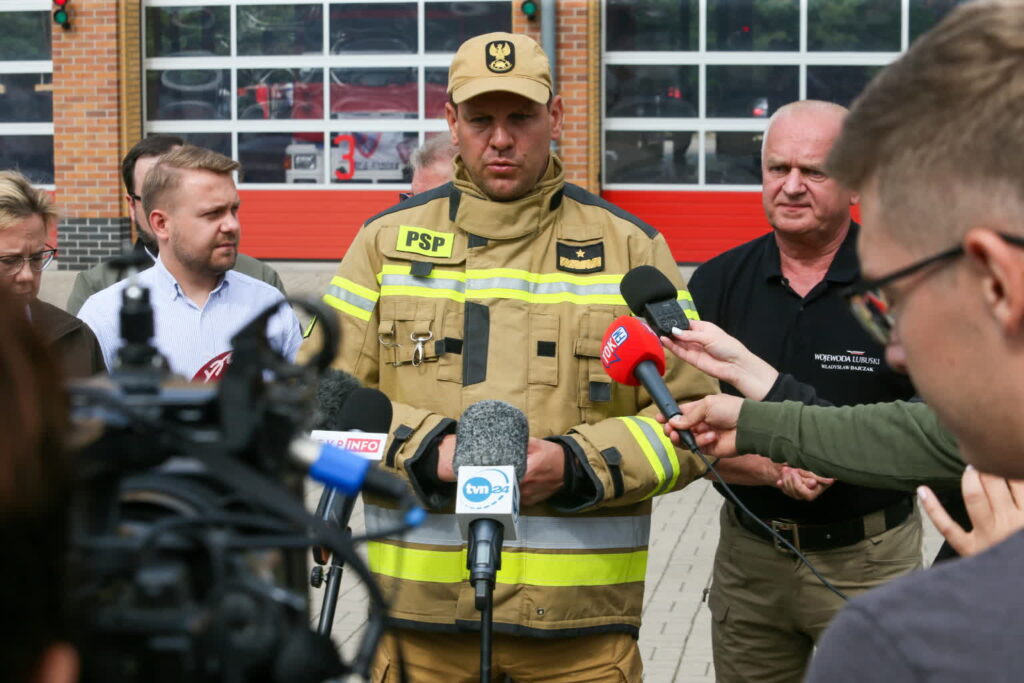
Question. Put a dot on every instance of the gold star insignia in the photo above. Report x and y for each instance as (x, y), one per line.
(581, 253)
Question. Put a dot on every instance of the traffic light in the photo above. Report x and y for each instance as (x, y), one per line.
(61, 15)
(529, 8)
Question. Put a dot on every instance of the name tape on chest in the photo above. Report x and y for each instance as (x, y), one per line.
(425, 242)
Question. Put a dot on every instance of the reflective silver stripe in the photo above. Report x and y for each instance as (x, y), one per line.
(351, 298)
(668, 461)
(543, 533)
(606, 289)
(395, 280)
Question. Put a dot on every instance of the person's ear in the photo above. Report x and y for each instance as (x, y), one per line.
(557, 113)
(451, 114)
(59, 664)
(1001, 269)
(159, 223)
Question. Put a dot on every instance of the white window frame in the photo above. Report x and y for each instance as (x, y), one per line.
(702, 58)
(420, 60)
(40, 66)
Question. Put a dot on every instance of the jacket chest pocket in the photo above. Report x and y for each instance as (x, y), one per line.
(596, 393)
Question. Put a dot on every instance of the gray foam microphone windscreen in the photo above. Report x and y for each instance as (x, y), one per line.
(492, 433)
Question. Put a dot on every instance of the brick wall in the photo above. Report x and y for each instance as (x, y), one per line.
(578, 64)
(87, 133)
(87, 241)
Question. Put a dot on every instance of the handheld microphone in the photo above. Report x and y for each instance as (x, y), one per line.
(332, 393)
(631, 354)
(352, 418)
(490, 458)
(651, 295)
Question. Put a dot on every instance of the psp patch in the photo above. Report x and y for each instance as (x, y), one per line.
(574, 258)
(425, 242)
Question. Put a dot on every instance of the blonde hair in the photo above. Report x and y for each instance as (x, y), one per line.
(939, 133)
(20, 200)
(165, 177)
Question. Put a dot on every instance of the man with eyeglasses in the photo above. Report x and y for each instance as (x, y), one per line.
(780, 296)
(134, 167)
(26, 216)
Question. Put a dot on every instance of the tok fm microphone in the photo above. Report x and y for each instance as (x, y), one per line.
(490, 459)
(651, 295)
(631, 354)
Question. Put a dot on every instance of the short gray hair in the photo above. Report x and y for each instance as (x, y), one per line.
(435, 149)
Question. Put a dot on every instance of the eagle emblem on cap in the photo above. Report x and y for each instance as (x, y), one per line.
(502, 56)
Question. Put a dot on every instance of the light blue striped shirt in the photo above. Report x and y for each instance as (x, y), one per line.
(188, 336)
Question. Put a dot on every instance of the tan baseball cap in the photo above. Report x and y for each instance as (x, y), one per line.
(510, 62)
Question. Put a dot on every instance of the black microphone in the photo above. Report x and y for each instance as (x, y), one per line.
(489, 434)
(344, 406)
(652, 296)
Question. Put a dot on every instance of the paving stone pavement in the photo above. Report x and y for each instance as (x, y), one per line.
(675, 639)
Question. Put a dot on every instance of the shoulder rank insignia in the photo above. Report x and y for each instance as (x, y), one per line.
(574, 258)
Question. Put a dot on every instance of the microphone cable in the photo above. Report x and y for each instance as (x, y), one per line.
(745, 510)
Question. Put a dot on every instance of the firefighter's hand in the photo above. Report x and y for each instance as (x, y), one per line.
(545, 471)
(446, 459)
(994, 504)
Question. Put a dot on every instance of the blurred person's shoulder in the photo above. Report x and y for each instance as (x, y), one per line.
(960, 620)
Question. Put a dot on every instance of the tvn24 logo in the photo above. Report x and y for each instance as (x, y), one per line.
(486, 489)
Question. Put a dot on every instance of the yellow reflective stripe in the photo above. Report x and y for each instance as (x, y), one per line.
(422, 292)
(666, 444)
(346, 307)
(487, 273)
(556, 298)
(689, 310)
(358, 289)
(534, 569)
(406, 270)
(524, 293)
(652, 455)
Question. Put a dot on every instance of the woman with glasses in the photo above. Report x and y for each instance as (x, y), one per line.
(26, 216)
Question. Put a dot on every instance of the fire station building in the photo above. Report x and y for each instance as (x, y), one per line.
(322, 102)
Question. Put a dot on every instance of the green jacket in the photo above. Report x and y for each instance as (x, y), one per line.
(102, 275)
(898, 445)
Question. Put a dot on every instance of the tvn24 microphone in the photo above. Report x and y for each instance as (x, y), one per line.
(490, 459)
(651, 295)
(631, 354)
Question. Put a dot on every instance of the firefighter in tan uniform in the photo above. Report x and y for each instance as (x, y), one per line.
(500, 285)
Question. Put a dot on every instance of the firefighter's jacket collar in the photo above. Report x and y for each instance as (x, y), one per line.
(507, 220)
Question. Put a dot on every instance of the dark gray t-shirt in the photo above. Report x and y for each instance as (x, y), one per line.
(959, 621)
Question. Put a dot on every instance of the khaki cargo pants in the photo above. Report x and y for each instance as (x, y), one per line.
(768, 609)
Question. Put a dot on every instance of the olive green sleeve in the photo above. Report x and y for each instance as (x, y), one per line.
(898, 445)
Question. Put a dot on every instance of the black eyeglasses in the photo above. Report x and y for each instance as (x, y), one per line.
(11, 265)
(135, 196)
(872, 308)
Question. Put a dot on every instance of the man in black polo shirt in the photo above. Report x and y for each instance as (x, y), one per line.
(779, 295)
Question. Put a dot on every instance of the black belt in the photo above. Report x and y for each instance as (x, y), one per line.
(829, 536)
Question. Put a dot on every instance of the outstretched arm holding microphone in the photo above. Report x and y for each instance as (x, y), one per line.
(839, 441)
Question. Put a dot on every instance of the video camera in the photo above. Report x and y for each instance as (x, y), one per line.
(189, 536)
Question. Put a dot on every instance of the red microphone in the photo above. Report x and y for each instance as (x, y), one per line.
(632, 354)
